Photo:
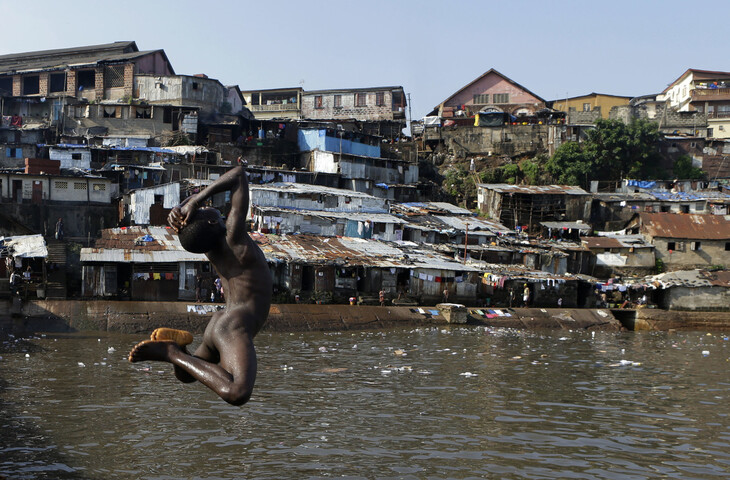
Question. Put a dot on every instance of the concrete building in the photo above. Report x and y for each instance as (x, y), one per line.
(703, 91)
(686, 241)
(376, 110)
(491, 92)
(274, 103)
(599, 103)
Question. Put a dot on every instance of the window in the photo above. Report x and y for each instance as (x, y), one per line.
(75, 156)
(501, 98)
(684, 208)
(167, 115)
(143, 112)
(85, 79)
(695, 246)
(6, 85)
(81, 111)
(99, 187)
(110, 112)
(114, 76)
(12, 152)
(671, 246)
(338, 101)
(727, 246)
(57, 82)
(586, 107)
(360, 100)
(31, 85)
(380, 99)
(195, 85)
(481, 99)
(318, 101)
(79, 186)
(61, 185)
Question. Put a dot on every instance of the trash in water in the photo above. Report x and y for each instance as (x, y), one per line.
(81, 364)
(705, 353)
(323, 349)
(111, 349)
(625, 363)
(27, 355)
(468, 374)
(399, 352)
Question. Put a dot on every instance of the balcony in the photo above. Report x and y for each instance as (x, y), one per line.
(710, 94)
(277, 107)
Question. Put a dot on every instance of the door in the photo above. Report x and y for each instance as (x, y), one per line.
(37, 193)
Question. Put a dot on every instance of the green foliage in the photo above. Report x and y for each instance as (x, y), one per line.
(511, 173)
(460, 185)
(612, 151)
(683, 169)
(569, 165)
(659, 265)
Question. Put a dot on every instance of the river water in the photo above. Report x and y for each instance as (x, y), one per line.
(423, 403)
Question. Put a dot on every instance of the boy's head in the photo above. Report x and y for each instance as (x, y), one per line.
(203, 232)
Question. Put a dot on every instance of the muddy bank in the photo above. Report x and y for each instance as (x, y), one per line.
(142, 317)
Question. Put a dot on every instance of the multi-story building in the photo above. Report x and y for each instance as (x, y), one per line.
(706, 92)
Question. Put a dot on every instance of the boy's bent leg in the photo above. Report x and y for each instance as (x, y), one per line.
(232, 380)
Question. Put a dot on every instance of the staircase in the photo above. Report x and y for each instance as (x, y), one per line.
(56, 279)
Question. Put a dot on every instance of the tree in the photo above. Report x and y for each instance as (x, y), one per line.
(612, 151)
(569, 165)
(683, 169)
(617, 150)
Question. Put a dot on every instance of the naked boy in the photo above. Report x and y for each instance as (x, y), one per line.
(225, 362)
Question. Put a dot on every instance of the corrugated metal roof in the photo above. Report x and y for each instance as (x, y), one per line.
(360, 217)
(347, 251)
(690, 226)
(127, 245)
(24, 246)
(420, 208)
(574, 225)
(689, 278)
(124, 245)
(534, 189)
(306, 188)
(601, 242)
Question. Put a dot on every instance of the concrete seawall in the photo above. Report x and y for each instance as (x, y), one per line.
(143, 317)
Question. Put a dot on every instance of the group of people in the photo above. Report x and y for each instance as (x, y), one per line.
(201, 292)
(16, 279)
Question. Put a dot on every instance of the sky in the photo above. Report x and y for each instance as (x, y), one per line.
(430, 48)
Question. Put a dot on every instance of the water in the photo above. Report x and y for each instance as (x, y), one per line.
(421, 403)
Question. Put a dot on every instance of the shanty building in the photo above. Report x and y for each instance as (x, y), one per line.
(525, 207)
(378, 226)
(334, 269)
(140, 263)
(619, 254)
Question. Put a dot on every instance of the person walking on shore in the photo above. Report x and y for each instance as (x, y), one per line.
(225, 361)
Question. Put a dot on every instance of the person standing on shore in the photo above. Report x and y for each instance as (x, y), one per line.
(225, 361)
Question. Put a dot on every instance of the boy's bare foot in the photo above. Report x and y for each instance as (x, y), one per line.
(152, 350)
(181, 337)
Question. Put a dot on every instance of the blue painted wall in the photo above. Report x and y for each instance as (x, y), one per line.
(318, 140)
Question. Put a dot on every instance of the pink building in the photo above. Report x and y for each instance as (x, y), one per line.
(491, 92)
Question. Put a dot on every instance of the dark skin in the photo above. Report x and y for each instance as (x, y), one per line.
(225, 361)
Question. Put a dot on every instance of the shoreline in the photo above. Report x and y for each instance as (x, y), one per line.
(143, 317)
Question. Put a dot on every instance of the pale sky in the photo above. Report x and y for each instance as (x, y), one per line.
(430, 48)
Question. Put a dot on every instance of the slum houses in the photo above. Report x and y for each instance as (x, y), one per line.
(101, 141)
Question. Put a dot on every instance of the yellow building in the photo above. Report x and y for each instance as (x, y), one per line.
(591, 102)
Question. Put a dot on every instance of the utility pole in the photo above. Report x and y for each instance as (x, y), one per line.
(466, 240)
